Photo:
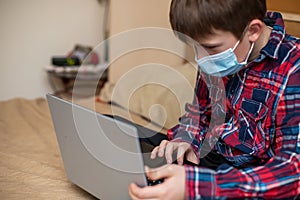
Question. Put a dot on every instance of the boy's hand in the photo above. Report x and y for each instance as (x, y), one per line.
(184, 149)
(172, 188)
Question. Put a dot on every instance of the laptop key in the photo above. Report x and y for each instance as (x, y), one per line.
(154, 182)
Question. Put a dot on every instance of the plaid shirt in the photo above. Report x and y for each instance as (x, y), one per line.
(256, 126)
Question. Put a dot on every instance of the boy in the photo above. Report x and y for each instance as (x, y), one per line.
(258, 142)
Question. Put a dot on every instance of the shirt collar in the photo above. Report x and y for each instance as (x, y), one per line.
(274, 20)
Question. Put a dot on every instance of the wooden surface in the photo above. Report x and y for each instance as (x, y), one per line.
(290, 10)
(30, 163)
(290, 6)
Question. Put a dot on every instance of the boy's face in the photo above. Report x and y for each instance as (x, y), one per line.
(220, 41)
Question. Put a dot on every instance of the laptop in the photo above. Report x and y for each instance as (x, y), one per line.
(100, 154)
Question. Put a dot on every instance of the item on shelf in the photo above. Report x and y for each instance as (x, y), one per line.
(80, 55)
(65, 61)
(85, 54)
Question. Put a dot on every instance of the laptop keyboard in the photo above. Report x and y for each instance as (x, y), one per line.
(151, 182)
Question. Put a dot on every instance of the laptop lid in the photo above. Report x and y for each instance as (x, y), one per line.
(100, 155)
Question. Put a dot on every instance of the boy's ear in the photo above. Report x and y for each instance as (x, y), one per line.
(255, 29)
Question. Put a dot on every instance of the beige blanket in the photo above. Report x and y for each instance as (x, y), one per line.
(30, 163)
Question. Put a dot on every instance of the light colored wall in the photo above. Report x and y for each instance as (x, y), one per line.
(31, 31)
(128, 15)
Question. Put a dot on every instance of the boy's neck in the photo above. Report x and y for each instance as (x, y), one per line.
(261, 42)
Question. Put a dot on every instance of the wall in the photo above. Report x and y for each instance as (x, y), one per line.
(129, 15)
(32, 31)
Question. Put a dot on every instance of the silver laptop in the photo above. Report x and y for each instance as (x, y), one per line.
(100, 154)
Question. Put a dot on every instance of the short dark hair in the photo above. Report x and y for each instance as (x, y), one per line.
(198, 18)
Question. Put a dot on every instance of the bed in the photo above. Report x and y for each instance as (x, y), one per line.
(30, 163)
(31, 166)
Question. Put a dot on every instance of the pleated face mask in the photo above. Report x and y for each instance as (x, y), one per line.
(222, 64)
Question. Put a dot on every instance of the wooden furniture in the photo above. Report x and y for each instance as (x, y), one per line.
(290, 10)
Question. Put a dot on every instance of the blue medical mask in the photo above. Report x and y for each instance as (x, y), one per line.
(224, 63)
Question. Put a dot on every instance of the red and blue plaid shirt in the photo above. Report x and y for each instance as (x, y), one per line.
(256, 126)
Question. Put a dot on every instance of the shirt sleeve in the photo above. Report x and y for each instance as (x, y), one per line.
(278, 178)
(194, 123)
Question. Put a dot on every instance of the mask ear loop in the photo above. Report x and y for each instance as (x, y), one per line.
(243, 35)
(235, 46)
(251, 48)
(249, 53)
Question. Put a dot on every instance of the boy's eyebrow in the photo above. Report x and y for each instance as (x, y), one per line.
(210, 44)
